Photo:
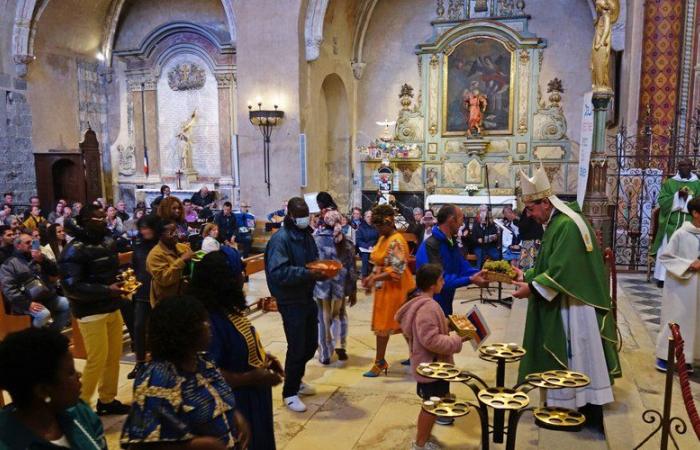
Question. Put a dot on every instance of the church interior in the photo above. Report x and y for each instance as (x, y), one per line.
(206, 121)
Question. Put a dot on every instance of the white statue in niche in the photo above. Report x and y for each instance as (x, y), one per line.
(184, 137)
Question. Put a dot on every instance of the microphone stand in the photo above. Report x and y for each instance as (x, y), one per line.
(507, 301)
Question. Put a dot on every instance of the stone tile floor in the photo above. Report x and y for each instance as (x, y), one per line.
(353, 412)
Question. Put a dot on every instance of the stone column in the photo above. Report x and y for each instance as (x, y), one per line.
(150, 87)
(595, 205)
(145, 89)
(135, 90)
(226, 84)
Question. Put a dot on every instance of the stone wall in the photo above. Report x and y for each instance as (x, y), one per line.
(269, 54)
(328, 87)
(17, 170)
(139, 18)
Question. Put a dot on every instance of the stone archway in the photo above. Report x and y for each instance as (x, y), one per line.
(334, 152)
(28, 13)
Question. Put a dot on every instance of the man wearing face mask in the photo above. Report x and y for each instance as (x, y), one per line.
(292, 285)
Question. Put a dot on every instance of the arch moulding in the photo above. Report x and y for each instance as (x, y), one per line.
(28, 13)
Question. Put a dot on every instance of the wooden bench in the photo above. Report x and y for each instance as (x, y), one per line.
(9, 323)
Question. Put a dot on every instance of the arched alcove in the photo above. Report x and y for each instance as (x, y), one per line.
(334, 152)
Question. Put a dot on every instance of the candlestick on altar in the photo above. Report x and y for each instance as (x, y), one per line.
(179, 173)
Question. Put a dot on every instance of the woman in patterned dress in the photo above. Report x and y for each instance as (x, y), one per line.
(236, 347)
(181, 400)
(391, 281)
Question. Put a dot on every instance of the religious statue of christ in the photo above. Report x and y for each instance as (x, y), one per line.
(475, 104)
(185, 142)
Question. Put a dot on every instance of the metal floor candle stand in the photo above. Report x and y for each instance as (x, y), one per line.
(501, 399)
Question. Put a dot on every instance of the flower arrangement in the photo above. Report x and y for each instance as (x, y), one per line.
(390, 150)
(471, 189)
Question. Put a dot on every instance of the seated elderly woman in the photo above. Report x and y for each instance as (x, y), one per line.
(181, 400)
(236, 347)
(37, 369)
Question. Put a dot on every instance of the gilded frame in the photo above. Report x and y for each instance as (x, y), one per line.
(511, 94)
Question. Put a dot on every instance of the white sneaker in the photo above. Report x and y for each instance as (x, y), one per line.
(295, 404)
(428, 446)
(306, 389)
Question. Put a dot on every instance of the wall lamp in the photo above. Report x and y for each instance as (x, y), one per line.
(265, 120)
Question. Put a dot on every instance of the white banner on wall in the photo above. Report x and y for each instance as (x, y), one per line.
(584, 156)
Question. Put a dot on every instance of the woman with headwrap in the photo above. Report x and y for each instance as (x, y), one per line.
(391, 281)
(331, 294)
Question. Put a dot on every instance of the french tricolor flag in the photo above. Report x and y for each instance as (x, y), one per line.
(145, 161)
(482, 329)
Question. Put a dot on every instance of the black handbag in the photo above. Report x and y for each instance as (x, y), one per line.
(36, 290)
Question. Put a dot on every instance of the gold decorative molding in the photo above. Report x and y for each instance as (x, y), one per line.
(433, 92)
(523, 91)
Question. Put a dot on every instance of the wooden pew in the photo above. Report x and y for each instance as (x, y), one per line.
(255, 264)
(9, 323)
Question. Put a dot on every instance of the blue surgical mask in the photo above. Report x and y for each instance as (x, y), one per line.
(302, 222)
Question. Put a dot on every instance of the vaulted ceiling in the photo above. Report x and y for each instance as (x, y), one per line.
(79, 26)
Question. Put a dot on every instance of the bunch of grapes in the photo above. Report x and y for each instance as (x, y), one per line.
(500, 267)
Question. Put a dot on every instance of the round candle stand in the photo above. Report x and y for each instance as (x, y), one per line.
(501, 399)
(501, 354)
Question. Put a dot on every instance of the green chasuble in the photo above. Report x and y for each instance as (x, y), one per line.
(564, 265)
(671, 221)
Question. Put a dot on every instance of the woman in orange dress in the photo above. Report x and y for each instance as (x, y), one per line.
(391, 281)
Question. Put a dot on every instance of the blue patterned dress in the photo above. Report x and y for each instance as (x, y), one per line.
(175, 406)
(236, 347)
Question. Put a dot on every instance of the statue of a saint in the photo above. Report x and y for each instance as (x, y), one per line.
(185, 143)
(475, 104)
(608, 12)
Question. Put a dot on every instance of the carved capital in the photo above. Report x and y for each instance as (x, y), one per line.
(150, 84)
(22, 63)
(313, 49)
(357, 69)
(134, 85)
(224, 80)
(524, 56)
(434, 61)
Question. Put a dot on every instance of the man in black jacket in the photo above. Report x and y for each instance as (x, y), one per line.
(292, 285)
(143, 244)
(7, 242)
(89, 266)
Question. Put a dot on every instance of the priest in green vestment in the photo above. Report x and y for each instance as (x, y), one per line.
(569, 322)
(673, 200)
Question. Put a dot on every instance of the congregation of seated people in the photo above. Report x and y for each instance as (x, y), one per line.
(187, 320)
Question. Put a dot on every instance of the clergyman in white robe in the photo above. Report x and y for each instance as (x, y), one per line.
(681, 294)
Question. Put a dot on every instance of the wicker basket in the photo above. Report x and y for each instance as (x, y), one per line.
(497, 277)
(462, 326)
(329, 267)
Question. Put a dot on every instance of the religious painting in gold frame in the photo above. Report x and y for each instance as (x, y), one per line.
(487, 64)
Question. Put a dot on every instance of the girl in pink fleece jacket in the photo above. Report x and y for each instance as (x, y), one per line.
(425, 326)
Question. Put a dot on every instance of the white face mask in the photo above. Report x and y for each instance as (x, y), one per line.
(302, 222)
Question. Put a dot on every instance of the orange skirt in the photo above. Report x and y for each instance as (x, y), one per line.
(387, 301)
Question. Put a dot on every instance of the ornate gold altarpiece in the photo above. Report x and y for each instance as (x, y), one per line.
(430, 152)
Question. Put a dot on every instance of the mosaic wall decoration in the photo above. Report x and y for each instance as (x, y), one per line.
(661, 58)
